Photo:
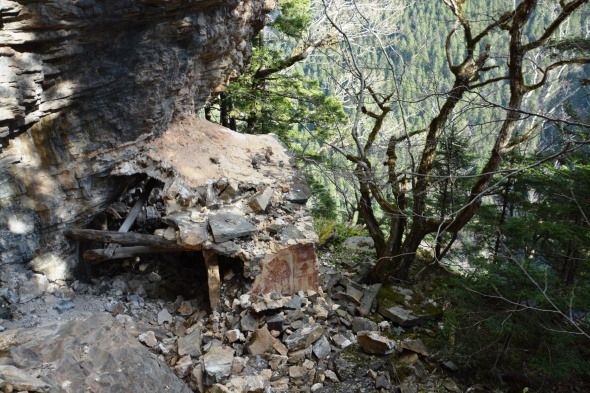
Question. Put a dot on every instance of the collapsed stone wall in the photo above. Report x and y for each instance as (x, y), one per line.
(84, 85)
(233, 195)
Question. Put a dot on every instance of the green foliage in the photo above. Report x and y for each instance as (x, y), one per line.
(285, 105)
(500, 320)
(270, 96)
(335, 232)
(523, 308)
(293, 18)
(322, 202)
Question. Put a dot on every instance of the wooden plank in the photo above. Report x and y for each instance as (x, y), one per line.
(132, 215)
(124, 239)
(110, 249)
(213, 278)
(98, 256)
(136, 209)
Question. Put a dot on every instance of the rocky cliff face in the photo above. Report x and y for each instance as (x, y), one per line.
(84, 85)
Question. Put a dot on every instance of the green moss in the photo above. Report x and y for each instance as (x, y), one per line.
(389, 297)
(325, 231)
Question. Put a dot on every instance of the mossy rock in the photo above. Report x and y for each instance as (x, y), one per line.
(394, 305)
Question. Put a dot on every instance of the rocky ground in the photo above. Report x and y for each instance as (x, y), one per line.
(145, 325)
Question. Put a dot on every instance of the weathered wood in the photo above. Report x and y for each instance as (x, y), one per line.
(100, 255)
(125, 239)
(110, 249)
(132, 215)
(136, 209)
(213, 278)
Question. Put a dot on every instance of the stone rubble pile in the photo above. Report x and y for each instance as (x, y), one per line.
(312, 341)
(308, 342)
(246, 202)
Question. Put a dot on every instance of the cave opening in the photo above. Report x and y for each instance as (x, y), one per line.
(149, 270)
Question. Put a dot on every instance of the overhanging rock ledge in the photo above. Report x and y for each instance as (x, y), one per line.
(84, 84)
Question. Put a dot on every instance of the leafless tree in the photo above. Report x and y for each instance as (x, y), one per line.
(394, 166)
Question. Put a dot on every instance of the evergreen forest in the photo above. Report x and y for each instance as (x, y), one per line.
(455, 134)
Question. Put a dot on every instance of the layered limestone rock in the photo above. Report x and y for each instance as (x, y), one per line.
(84, 86)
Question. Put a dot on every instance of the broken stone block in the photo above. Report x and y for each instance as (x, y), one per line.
(226, 249)
(229, 223)
(404, 317)
(275, 322)
(290, 232)
(233, 335)
(341, 341)
(383, 381)
(182, 366)
(170, 233)
(149, 339)
(360, 243)
(248, 322)
(217, 363)
(368, 298)
(256, 364)
(280, 348)
(298, 356)
(190, 344)
(190, 234)
(298, 193)
(304, 337)
(33, 288)
(198, 377)
(360, 324)
(277, 361)
(297, 372)
(415, 345)
(354, 292)
(230, 190)
(248, 384)
(262, 341)
(185, 308)
(238, 365)
(373, 343)
(331, 375)
(321, 348)
(164, 316)
(260, 200)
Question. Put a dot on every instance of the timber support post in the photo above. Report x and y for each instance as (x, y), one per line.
(213, 278)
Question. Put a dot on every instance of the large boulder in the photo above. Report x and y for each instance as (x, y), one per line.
(95, 354)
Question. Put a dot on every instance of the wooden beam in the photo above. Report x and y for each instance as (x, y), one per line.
(213, 278)
(133, 213)
(100, 255)
(125, 239)
(136, 209)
